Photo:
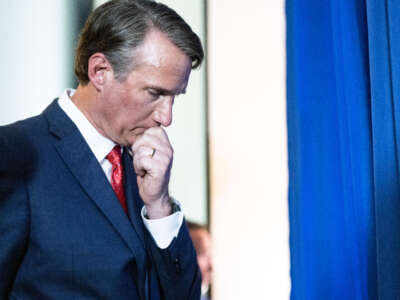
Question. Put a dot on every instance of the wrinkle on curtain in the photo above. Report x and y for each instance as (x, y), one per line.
(343, 64)
(384, 58)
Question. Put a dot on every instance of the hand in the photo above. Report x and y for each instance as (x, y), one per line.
(153, 172)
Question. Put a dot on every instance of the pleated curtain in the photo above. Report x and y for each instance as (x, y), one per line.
(343, 110)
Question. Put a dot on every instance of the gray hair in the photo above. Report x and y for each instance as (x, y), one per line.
(118, 27)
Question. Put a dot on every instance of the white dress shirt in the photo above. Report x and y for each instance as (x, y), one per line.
(164, 229)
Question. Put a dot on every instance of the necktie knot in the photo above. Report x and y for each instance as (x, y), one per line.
(114, 157)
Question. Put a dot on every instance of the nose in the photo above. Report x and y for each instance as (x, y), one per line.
(163, 111)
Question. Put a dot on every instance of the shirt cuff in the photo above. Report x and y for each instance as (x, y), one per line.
(163, 230)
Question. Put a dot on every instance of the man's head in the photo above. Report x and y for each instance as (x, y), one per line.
(118, 27)
(133, 58)
(202, 243)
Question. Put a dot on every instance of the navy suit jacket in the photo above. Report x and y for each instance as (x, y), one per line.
(63, 233)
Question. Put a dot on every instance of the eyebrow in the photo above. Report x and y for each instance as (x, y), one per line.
(165, 91)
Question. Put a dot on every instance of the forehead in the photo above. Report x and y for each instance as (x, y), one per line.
(158, 59)
(158, 51)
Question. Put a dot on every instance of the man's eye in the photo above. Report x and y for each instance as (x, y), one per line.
(154, 94)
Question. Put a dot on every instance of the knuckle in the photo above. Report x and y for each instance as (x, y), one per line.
(169, 153)
(155, 129)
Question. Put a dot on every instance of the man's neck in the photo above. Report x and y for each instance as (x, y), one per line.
(84, 98)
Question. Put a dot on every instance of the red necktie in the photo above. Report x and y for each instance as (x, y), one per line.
(117, 175)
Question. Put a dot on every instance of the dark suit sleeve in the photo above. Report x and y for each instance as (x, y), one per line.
(14, 210)
(177, 268)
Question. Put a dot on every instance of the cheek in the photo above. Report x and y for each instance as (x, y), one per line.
(140, 114)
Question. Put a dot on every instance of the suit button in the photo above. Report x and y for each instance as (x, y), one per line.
(177, 263)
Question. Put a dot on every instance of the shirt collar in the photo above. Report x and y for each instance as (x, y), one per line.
(99, 144)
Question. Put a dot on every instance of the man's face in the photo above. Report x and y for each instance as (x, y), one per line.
(145, 98)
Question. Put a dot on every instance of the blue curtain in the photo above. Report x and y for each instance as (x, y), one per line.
(343, 66)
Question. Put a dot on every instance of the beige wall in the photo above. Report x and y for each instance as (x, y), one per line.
(248, 164)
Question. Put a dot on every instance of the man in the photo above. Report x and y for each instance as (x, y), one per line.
(85, 211)
(202, 243)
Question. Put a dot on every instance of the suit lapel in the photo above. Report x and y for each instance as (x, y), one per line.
(79, 159)
(133, 199)
(135, 205)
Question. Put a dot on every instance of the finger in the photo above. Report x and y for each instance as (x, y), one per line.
(152, 142)
(140, 166)
(155, 133)
(145, 165)
(160, 158)
(158, 132)
(145, 151)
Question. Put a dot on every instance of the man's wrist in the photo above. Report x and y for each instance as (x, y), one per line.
(164, 209)
(164, 230)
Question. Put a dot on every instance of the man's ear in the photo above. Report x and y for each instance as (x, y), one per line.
(99, 70)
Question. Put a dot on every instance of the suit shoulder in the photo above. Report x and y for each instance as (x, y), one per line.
(17, 149)
(27, 125)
